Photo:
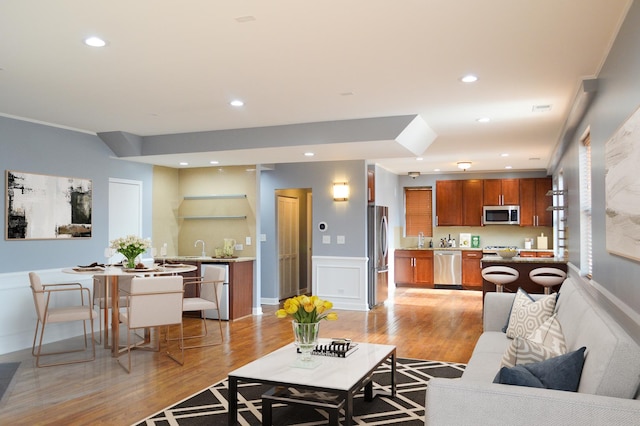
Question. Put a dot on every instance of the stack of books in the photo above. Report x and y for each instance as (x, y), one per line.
(339, 348)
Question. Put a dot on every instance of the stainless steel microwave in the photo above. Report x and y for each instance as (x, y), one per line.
(501, 215)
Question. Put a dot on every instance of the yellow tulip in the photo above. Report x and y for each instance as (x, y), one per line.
(309, 307)
(332, 316)
(281, 313)
(327, 304)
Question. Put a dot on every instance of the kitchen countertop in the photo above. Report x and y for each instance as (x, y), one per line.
(439, 248)
(206, 259)
(518, 259)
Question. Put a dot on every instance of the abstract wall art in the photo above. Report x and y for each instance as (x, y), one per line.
(47, 207)
(622, 189)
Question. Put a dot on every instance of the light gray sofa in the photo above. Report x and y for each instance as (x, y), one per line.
(609, 382)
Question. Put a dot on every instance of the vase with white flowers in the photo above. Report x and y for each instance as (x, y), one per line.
(131, 247)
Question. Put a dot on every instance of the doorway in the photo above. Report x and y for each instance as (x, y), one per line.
(125, 210)
(293, 230)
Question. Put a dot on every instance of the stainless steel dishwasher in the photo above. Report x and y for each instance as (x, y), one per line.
(447, 268)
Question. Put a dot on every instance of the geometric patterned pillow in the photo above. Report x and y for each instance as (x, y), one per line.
(550, 335)
(522, 351)
(527, 315)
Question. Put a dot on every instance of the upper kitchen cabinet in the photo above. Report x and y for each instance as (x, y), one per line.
(534, 202)
(448, 202)
(472, 199)
(501, 192)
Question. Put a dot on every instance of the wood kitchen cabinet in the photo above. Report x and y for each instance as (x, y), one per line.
(471, 269)
(240, 289)
(534, 202)
(532, 253)
(413, 268)
(448, 202)
(501, 192)
(472, 199)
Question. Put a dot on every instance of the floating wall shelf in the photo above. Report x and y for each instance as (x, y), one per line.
(214, 197)
(211, 217)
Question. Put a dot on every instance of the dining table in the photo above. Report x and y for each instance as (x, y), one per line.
(112, 274)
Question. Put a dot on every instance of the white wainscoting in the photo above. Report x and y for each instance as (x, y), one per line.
(341, 280)
(18, 314)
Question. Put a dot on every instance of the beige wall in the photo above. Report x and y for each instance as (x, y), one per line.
(169, 208)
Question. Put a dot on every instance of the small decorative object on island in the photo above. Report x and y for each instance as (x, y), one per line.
(131, 247)
(307, 312)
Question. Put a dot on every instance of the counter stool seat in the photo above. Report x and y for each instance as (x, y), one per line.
(547, 277)
(499, 276)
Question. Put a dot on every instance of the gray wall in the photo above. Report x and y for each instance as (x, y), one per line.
(346, 218)
(36, 148)
(617, 98)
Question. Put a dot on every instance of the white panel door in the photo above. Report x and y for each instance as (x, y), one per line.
(288, 246)
(125, 210)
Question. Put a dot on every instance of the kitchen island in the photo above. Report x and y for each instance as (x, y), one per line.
(240, 279)
(523, 265)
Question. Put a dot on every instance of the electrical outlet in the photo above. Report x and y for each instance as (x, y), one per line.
(239, 247)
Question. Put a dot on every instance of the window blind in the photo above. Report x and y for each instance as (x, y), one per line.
(418, 211)
(586, 256)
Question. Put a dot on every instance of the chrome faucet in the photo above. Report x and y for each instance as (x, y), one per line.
(420, 239)
(204, 254)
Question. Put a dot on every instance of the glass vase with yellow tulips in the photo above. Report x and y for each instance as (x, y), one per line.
(307, 312)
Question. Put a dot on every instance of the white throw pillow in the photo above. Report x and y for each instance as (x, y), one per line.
(547, 341)
(527, 315)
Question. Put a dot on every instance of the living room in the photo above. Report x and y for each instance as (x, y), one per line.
(32, 145)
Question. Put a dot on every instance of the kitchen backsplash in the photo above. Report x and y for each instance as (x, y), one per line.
(490, 235)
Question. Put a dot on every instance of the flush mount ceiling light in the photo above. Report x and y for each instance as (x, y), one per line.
(464, 165)
(95, 42)
(340, 191)
(469, 78)
(413, 174)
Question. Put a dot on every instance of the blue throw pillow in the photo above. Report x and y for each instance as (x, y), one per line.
(561, 373)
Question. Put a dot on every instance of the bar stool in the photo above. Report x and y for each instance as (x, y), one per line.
(547, 277)
(500, 275)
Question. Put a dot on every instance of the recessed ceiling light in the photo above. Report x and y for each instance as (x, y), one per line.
(541, 108)
(483, 120)
(419, 159)
(309, 154)
(436, 170)
(504, 154)
(184, 163)
(469, 78)
(236, 103)
(508, 167)
(214, 162)
(243, 19)
(95, 42)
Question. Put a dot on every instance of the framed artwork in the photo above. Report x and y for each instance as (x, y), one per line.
(622, 189)
(47, 207)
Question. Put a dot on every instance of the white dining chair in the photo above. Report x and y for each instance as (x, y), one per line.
(209, 291)
(152, 302)
(75, 307)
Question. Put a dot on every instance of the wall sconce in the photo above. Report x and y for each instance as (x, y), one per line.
(340, 191)
(464, 165)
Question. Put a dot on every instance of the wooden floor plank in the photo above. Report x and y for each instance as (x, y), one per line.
(423, 323)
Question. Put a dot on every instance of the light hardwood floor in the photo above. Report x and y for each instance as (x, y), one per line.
(425, 324)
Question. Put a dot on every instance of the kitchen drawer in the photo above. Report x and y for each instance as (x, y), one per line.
(472, 254)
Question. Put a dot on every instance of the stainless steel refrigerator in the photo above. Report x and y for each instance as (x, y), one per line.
(378, 252)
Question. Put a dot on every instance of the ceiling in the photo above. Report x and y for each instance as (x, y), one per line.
(173, 67)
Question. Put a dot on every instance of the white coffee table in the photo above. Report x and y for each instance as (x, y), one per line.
(342, 376)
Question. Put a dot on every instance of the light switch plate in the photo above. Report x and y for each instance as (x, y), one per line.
(247, 241)
(263, 237)
(326, 239)
(340, 239)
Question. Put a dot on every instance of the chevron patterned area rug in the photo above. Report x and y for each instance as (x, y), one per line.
(209, 407)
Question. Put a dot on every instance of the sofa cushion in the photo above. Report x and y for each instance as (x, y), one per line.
(527, 315)
(612, 364)
(560, 373)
